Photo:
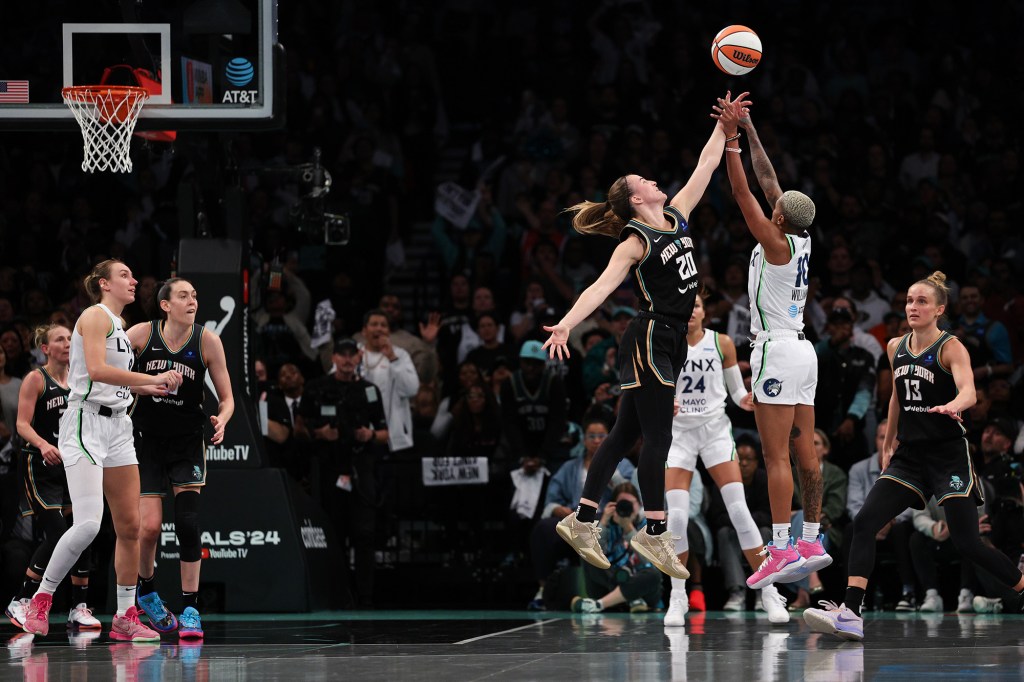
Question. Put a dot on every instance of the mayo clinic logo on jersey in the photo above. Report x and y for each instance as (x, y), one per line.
(772, 387)
(956, 483)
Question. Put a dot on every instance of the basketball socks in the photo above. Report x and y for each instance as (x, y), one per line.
(854, 599)
(147, 585)
(79, 594)
(780, 534)
(125, 598)
(656, 526)
(811, 531)
(189, 599)
(29, 588)
(586, 513)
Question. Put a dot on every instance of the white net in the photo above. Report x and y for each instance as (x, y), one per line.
(107, 116)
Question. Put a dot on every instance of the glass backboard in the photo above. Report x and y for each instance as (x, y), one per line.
(207, 64)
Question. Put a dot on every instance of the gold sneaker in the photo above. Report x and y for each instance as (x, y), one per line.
(660, 550)
(585, 538)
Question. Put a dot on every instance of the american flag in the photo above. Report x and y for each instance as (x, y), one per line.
(13, 92)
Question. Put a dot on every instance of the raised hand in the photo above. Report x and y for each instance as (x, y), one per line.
(429, 331)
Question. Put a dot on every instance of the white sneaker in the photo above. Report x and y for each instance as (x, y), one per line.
(675, 617)
(81, 618)
(987, 604)
(584, 605)
(737, 601)
(16, 612)
(932, 602)
(774, 604)
(965, 602)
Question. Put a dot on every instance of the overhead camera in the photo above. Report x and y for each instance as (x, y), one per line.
(309, 212)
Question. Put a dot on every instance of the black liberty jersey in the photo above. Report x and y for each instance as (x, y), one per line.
(921, 382)
(180, 412)
(665, 279)
(50, 405)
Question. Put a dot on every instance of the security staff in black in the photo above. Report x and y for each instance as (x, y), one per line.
(932, 385)
(656, 249)
(169, 443)
(344, 415)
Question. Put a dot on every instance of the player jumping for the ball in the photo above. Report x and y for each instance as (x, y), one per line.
(784, 368)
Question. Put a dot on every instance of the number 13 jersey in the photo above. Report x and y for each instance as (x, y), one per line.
(921, 382)
(778, 292)
(119, 354)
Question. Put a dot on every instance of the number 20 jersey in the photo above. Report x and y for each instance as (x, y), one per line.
(665, 279)
(778, 292)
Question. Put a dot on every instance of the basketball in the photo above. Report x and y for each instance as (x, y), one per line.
(736, 50)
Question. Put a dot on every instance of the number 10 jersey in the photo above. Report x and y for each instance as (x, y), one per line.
(778, 293)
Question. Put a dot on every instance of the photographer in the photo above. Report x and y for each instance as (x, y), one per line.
(345, 417)
(631, 578)
(1002, 527)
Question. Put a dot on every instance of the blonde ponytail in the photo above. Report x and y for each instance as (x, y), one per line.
(607, 217)
(937, 281)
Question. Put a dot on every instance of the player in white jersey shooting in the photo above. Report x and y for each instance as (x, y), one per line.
(783, 365)
(701, 429)
(96, 447)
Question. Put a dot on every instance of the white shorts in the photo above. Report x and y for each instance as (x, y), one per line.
(104, 441)
(784, 369)
(712, 442)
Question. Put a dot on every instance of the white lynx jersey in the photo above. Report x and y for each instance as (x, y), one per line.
(700, 388)
(119, 354)
(778, 292)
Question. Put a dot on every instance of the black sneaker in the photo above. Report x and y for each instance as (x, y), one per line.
(907, 603)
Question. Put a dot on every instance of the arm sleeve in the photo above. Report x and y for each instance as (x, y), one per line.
(734, 383)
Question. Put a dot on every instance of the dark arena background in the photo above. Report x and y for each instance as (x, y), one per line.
(390, 177)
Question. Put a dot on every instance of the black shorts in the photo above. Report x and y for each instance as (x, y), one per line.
(46, 486)
(941, 468)
(179, 460)
(651, 350)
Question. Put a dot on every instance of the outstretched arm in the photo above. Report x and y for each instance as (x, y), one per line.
(769, 236)
(763, 168)
(710, 156)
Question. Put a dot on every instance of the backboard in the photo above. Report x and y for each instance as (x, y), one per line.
(208, 64)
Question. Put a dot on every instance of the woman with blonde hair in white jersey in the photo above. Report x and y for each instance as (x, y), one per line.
(702, 430)
(97, 448)
(783, 365)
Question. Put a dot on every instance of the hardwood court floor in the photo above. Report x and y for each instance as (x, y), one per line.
(452, 646)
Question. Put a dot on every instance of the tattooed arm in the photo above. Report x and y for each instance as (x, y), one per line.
(759, 160)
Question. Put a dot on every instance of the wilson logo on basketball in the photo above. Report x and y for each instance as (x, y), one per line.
(745, 57)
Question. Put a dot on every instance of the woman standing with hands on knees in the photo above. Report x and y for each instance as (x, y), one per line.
(98, 450)
(656, 248)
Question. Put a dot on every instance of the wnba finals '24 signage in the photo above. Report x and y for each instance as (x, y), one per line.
(215, 269)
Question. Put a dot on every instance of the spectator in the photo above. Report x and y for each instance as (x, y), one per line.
(533, 406)
(9, 388)
(1001, 527)
(997, 441)
(861, 338)
(871, 305)
(453, 320)
(420, 348)
(286, 431)
(631, 579)
(987, 341)
(485, 233)
(491, 348)
(895, 535)
(18, 361)
(600, 366)
(281, 336)
(476, 425)
(845, 383)
(391, 370)
(469, 375)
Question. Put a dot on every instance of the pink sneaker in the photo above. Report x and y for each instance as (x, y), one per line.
(127, 628)
(781, 565)
(37, 616)
(814, 555)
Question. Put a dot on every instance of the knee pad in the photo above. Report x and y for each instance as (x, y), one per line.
(186, 525)
(736, 504)
(679, 517)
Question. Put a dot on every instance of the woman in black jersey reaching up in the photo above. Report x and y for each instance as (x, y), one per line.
(932, 385)
(656, 248)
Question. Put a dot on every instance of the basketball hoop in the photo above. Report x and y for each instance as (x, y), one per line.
(107, 115)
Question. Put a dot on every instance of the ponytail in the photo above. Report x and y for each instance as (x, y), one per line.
(607, 217)
(937, 281)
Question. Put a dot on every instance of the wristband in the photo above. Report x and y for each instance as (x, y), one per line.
(734, 150)
(734, 137)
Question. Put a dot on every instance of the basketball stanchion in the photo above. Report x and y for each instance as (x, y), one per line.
(107, 115)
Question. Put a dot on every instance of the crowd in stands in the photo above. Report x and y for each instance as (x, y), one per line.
(904, 143)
